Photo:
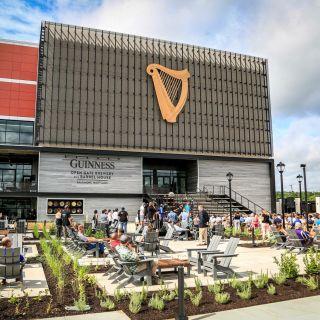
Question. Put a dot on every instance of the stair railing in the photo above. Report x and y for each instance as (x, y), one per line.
(236, 196)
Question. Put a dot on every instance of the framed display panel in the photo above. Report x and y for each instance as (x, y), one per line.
(75, 205)
(94, 92)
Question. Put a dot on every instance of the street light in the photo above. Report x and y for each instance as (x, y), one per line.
(281, 166)
(303, 166)
(300, 178)
(230, 176)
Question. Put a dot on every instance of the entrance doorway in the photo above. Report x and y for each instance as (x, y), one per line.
(161, 176)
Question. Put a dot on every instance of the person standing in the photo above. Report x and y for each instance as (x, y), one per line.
(109, 217)
(265, 225)
(95, 219)
(58, 221)
(115, 216)
(123, 220)
(150, 212)
(66, 220)
(104, 220)
(203, 225)
(236, 221)
(142, 214)
(156, 220)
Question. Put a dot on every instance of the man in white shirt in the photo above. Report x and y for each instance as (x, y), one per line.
(141, 214)
(115, 215)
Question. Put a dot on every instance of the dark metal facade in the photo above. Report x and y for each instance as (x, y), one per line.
(94, 92)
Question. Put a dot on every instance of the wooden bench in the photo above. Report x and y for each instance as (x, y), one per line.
(173, 263)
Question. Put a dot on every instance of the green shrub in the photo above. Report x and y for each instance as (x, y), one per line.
(228, 232)
(288, 265)
(215, 288)
(107, 304)
(36, 231)
(271, 289)
(279, 278)
(118, 295)
(244, 291)
(45, 233)
(144, 293)
(52, 229)
(198, 284)
(156, 303)
(222, 297)
(187, 293)
(88, 232)
(135, 302)
(311, 282)
(163, 289)
(311, 261)
(196, 298)
(99, 234)
(261, 280)
(169, 296)
(235, 283)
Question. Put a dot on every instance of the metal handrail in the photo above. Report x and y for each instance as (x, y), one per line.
(249, 204)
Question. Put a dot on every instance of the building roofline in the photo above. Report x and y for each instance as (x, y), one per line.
(43, 22)
(19, 43)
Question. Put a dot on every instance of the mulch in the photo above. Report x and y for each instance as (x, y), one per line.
(291, 290)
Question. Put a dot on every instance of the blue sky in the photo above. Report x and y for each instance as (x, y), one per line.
(287, 33)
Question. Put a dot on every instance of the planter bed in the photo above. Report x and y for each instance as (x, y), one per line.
(291, 290)
(52, 305)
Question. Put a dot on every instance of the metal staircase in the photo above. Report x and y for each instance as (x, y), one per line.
(215, 200)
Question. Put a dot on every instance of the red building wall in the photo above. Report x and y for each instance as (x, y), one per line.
(18, 76)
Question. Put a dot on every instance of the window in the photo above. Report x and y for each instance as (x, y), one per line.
(16, 132)
(15, 176)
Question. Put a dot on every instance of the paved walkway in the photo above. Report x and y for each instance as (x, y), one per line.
(112, 315)
(298, 309)
(34, 283)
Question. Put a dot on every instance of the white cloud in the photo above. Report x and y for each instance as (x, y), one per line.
(297, 144)
(285, 32)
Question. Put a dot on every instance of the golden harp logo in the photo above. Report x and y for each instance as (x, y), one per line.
(171, 88)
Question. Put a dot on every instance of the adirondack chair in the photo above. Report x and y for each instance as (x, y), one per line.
(10, 265)
(197, 260)
(278, 238)
(139, 232)
(217, 262)
(81, 247)
(150, 243)
(164, 244)
(127, 275)
(296, 243)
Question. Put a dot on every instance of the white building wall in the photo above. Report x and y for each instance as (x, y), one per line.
(250, 179)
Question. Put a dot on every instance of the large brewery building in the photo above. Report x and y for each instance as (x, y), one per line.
(118, 116)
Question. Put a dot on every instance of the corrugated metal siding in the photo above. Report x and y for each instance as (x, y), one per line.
(95, 93)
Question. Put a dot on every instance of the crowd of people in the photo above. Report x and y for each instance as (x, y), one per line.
(185, 218)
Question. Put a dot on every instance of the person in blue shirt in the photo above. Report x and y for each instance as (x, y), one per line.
(172, 216)
(187, 207)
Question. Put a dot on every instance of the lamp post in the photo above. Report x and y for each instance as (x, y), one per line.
(303, 166)
(281, 166)
(230, 176)
(300, 178)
